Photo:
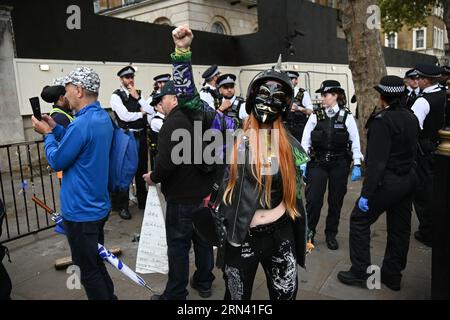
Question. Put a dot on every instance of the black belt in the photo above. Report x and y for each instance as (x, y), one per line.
(269, 227)
(329, 156)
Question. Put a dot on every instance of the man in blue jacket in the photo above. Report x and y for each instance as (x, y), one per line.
(81, 151)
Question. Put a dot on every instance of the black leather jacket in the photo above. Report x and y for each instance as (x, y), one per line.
(233, 221)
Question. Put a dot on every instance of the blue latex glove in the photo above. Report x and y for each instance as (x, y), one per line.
(303, 168)
(356, 173)
(363, 204)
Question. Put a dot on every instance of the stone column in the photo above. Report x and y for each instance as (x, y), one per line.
(11, 124)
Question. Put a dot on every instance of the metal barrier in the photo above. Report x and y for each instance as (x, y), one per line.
(24, 173)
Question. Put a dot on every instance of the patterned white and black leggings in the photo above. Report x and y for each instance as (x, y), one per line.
(273, 246)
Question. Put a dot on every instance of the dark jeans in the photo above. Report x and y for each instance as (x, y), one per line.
(275, 250)
(335, 173)
(83, 240)
(394, 197)
(180, 233)
(423, 195)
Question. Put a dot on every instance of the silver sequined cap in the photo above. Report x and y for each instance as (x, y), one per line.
(84, 77)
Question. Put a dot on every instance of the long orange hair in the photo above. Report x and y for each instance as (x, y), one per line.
(285, 162)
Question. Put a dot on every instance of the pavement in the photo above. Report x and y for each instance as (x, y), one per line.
(35, 278)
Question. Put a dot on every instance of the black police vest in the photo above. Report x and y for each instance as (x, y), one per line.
(434, 121)
(331, 135)
(297, 118)
(233, 112)
(214, 93)
(410, 99)
(132, 105)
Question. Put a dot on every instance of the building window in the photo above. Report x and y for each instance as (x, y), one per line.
(163, 21)
(217, 27)
(419, 38)
(438, 38)
(391, 40)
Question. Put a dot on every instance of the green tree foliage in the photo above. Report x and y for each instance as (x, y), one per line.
(413, 13)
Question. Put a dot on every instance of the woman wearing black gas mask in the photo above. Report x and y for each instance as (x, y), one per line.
(260, 211)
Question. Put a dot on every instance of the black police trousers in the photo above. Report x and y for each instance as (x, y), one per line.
(119, 200)
(423, 195)
(272, 245)
(318, 174)
(394, 197)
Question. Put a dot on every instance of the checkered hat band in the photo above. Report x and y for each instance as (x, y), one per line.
(392, 89)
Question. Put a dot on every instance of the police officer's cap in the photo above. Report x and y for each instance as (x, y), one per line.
(225, 79)
(426, 70)
(411, 74)
(162, 77)
(128, 70)
(51, 94)
(391, 86)
(293, 74)
(168, 89)
(330, 86)
(210, 72)
(156, 99)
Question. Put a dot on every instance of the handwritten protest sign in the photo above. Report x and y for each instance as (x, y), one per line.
(152, 250)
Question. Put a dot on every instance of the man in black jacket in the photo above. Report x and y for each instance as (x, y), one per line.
(184, 186)
(388, 186)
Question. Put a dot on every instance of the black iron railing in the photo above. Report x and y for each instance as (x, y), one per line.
(24, 173)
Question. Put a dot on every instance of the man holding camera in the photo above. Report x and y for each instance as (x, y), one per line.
(82, 152)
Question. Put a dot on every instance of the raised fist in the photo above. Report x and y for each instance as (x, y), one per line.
(182, 37)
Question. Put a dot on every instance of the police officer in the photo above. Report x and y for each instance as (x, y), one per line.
(412, 84)
(332, 140)
(388, 186)
(209, 92)
(61, 112)
(159, 82)
(302, 107)
(131, 109)
(430, 110)
(155, 126)
(232, 106)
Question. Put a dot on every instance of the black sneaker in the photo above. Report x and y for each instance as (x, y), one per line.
(158, 297)
(201, 292)
(332, 243)
(392, 283)
(125, 214)
(352, 279)
(422, 239)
